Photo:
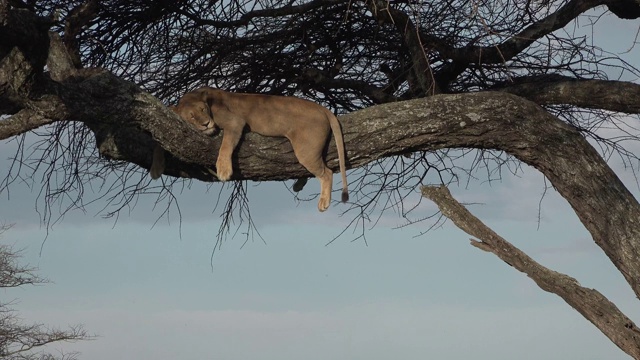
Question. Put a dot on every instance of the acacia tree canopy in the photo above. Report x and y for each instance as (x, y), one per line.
(408, 77)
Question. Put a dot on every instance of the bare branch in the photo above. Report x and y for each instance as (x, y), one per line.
(594, 306)
(518, 42)
(12, 274)
(18, 340)
(246, 18)
(22, 122)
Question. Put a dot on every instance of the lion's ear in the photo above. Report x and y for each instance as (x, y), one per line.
(206, 96)
(173, 108)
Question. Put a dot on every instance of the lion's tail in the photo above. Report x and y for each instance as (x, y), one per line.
(337, 133)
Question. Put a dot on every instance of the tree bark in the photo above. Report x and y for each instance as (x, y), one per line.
(619, 96)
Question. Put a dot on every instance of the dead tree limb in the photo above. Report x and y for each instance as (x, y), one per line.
(594, 306)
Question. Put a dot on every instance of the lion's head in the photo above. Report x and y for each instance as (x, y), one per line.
(194, 109)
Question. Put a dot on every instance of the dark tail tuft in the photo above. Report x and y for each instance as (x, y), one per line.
(345, 196)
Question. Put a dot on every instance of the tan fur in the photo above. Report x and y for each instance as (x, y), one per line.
(306, 124)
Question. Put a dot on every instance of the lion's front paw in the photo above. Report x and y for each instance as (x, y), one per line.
(224, 170)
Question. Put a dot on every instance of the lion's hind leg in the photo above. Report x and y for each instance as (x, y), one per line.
(325, 175)
(309, 154)
(326, 184)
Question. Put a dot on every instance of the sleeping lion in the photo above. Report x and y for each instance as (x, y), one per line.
(306, 124)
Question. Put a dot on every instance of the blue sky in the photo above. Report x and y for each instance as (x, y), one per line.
(150, 292)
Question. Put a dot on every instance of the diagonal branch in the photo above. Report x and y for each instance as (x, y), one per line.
(505, 51)
(594, 306)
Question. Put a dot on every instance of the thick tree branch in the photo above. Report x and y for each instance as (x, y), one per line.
(24, 46)
(20, 123)
(26, 31)
(625, 9)
(610, 95)
(594, 306)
